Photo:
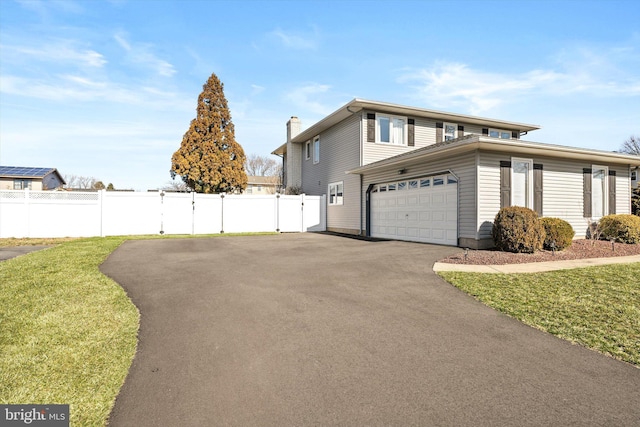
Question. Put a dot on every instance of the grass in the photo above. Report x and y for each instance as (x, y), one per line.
(596, 307)
(68, 333)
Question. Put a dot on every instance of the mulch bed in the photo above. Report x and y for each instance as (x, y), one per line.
(580, 249)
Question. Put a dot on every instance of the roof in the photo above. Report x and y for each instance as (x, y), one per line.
(27, 172)
(356, 105)
(511, 146)
(262, 180)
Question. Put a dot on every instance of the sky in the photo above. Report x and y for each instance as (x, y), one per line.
(107, 89)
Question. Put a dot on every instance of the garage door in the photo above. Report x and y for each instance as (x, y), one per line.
(419, 210)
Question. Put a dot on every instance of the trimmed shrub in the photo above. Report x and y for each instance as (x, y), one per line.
(557, 231)
(622, 228)
(517, 229)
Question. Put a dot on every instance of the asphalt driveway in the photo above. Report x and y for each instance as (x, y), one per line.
(312, 329)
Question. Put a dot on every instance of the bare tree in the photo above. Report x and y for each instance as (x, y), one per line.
(256, 165)
(176, 186)
(631, 145)
(80, 182)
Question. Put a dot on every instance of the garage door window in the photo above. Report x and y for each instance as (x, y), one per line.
(413, 184)
(425, 182)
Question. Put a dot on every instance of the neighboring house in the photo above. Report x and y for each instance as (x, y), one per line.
(408, 173)
(22, 178)
(262, 185)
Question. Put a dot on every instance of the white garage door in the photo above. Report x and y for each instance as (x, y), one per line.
(419, 210)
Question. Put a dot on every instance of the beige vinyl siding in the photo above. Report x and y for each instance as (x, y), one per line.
(339, 152)
(562, 191)
(488, 191)
(462, 166)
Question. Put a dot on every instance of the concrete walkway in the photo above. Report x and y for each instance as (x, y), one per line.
(317, 330)
(535, 267)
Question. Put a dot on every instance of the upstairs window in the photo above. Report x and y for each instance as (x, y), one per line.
(450, 131)
(391, 130)
(499, 133)
(316, 150)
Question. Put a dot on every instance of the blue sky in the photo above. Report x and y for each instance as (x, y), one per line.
(108, 88)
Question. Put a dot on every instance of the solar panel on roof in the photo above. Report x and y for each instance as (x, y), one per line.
(24, 171)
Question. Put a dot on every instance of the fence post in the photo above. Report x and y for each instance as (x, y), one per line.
(277, 212)
(302, 229)
(222, 213)
(193, 213)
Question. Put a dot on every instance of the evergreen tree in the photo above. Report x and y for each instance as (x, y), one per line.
(209, 159)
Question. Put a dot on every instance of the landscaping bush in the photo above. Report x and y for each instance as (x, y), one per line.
(621, 228)
(557, 231)
(518, 229)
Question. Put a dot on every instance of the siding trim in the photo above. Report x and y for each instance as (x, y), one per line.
(612, 192)
(537, 188)
(371, 127)
(439, 127)
(411, 132)
(505, 183)
(586, 192)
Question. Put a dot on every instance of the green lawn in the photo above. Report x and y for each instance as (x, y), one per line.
(68, 333)
(597, 307)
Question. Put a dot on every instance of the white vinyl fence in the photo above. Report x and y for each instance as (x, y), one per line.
(25, 213)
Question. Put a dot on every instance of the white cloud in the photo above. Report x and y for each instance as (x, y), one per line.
(141, 54)
(306, 97)
(296, 41)
(578, 71)
(62, 51)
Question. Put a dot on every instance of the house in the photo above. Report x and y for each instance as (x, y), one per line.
(22, 178)
(407, 173)
(262, 185)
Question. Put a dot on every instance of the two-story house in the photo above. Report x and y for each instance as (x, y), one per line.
(407, 173)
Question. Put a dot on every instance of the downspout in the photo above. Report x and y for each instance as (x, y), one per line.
(457, 205)
(361, 160)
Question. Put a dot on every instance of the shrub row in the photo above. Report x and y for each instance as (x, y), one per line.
(518, 229)
(621, 228)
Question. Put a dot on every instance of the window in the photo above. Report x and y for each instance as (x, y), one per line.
(402, 185)
(450, 131)
(307, 149)
(634, 176)
(21, 184)
(599, 191)
(438, 181)
(316, 150)
(499, 133)
(425, 182)
(336, 193)
(521, 179)
(391, 130)
(413, 184)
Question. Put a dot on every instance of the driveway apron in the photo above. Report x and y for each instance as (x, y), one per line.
(314, 329)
